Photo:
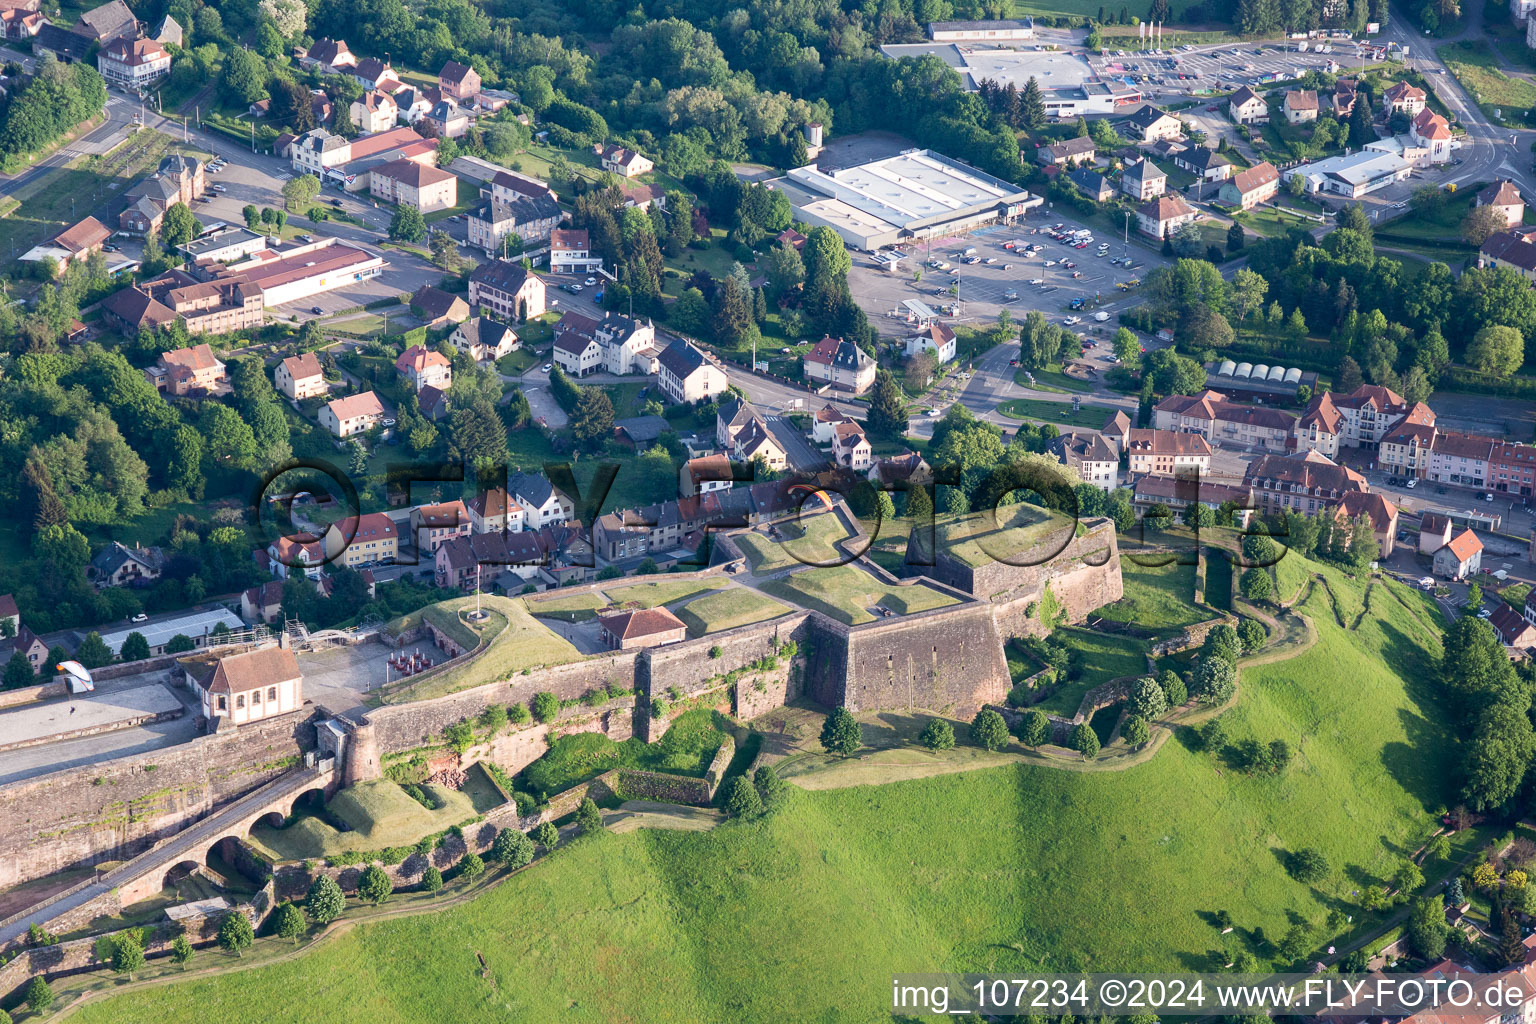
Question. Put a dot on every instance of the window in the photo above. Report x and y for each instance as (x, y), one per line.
(271, 693)
(240, 701)
(223, 703)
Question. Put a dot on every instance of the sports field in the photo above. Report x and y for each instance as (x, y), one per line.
(804, 915)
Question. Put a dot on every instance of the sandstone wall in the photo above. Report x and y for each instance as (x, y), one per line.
(117, 808)
(949, 659)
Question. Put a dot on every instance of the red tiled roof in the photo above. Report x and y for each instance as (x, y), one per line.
(1167, 442)
(641, 622)
(241, 673)
(303, 367)
(1464, 545)
(353, 406)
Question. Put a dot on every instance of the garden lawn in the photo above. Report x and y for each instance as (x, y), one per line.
(570, 608)
(663, 591)
(1099, 657)
(847, 593)
(799, 916)
(1056, 412)
(1156, 597)
(728, 609)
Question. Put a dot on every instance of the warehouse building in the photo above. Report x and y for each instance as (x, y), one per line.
(1068, 83)
(304, 270)
(915, 194)
(1358, 174)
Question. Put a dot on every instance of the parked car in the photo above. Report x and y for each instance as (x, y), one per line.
(590, 281)
(316, 310)
(141, 617)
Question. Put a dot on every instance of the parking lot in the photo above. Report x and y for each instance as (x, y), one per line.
(985, 287)
(1170, 74)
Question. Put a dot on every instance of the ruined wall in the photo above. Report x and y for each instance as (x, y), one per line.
(112, 810)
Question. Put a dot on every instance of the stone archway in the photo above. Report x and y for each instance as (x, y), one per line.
(179, 872)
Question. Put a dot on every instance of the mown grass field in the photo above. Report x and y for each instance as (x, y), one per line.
(803, 915)
(728, 609)
(799, 544)
(847, 594)
(649, 595)
(1156, 597)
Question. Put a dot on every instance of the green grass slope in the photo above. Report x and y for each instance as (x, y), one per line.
(803, 916)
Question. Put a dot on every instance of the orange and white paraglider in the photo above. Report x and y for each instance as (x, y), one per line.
(79, 676)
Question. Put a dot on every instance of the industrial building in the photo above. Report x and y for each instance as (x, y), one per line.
(1352, 176)
(1257, 382)
(304, 270)
(1070, 86)
(915, 194)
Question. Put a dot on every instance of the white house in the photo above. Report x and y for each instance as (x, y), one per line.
(354, 414)
(936, 338)
(251, 686)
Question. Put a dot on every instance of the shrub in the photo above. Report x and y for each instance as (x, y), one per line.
(589, 819)
(1256, 585)
(518, 714)
(1307, 865)
(290, 922)
(742, 800)
(1213, 736)
(1085, 741)
(1147, 699)
(546, 706)
(547, 835)
(1215, 680)
(324, 902)
(494, 718)
(1173, 688)
(1135, 731)
(988, 730)
(1252, 633)
(769, 786)
(938, 735)
(715, 651)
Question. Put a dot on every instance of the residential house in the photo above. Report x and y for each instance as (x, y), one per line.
(1092, 184)
(1301, 106)
(642, 627)
(109, 22)
(1247, 107)
(1166, 452)
(1118, 429)
(495, 511)
(1246, 189)
(1515, 248)
(517, 206)
(1162, 149)
(687, 374)
(459, 82)
(432, 526)
(1067, 153)
(1434, 532)
(303, 553)
(1515, 630)
(756, 442)
(900, 471)
(1149, 124)
(250, 687)
(135, 65)
(936, 338)
(374, 111)
(353, 414)
(851, 448)
(1504, 196)
(1342, 101)
(1204, 163)
(300, 377)
(218, 306)
(577, 352)
(1381, 512)
(1091, 456)
(1371, 410)
(65, 46)
(545, 505)
(424, 367)
(1460, 459)
(1404, 450)
(438, 308)
(507, 290)
(840, 363)
(705, 475)
(331, 56)
(169, 31)
(1143, 180)
(1177, 493)
(1320, 426)
(371, 539)
(1164, 215)
(1403, 98)
(414, 103)
(484, 339)
(372, 73)
(409, 183)
(1511, 467)
(185, 370)
(639, 432)
(735, 415)
(1461, 558)
(118, 565)
(1432, 132)
(20, 23)
(447, 120)
(262, 603)
(433, 403)
(1307, 483)
(625, 163)
(825, 423)
(623, 344)
(179, 179)
(570, 252)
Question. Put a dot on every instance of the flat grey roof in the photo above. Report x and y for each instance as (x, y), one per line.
(160, 633)
(218, 240)
(912, 187)
(36, 722)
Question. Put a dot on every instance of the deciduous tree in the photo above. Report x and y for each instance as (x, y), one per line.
(840, 733)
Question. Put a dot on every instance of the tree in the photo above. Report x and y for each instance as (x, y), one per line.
(341, 120)
(243, 79)
(1085, 741)
(988, 730)
(1174, 692)
(181, 950)
(1307, 865)
(770, 788)
(1409, 878)
(1350, 378)
(589, 819)
(937, 735)
(298, 193)
(742, 800)
(324, 901)
(1135, 731)
(407, 225)
(127, 953)
(1252, 634)
(290, 922)
(1221, 642)
(375, 885)
(236, 934)
(512, 848)
(592, 422)
(887, 420)
(472, 867)
(1497, 350)
(1127, 346)
(1034, 728)
(93, 652)
(1256, 585)
(1480, 222)
(546, 706)
(178, 226)
(786, 270)
(135, 647)
(1147, 699)
(547, 835)
(840, 733)
(432, 880)
(1215, 680)
(1474, 599)
(18, 672)
(445, 252)
(1032, 105)
(39, 995)
(1213, 736)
